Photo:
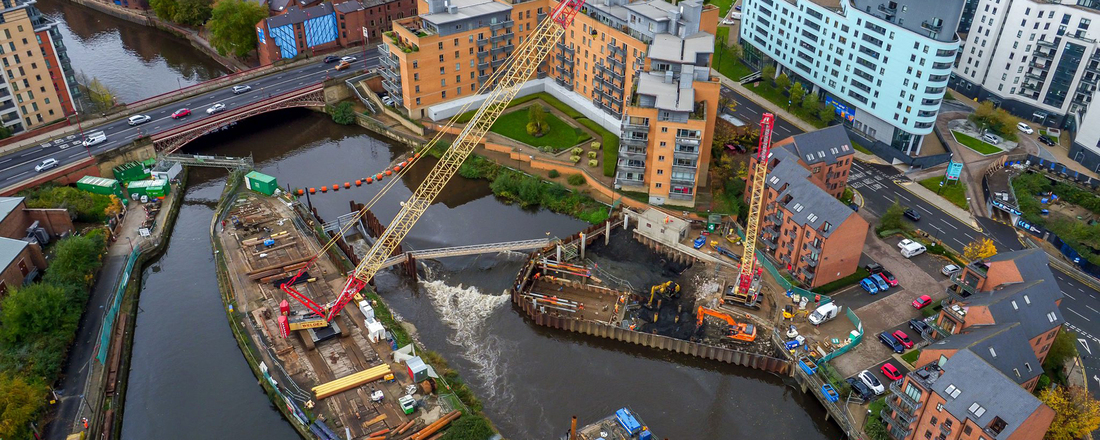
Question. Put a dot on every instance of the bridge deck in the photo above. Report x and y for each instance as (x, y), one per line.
(522, 245)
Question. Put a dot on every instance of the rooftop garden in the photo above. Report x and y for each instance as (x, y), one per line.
(550, 132)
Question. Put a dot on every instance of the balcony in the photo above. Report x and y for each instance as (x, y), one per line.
(1036, 76)
(931, 26)
(814, 246)
(501, 25)
(906, 403)
(680, 196)
(688, 141)
(769, 242)
(960, 290)
(621, 181)
(1045, 52)
(1040, 66)
(806, 274)
(631, 164)
(897, 425)
(483, 66)
(682, 181)
(638, 142)
(643, 127)
(956, 311)
(625, 150)
(1093, 67)
(391, 74)
(809, 261)
(700, 111)
(1045, 43)
(498, 63)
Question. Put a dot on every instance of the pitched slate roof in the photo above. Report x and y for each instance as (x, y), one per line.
(809, 204)
(975, 390)
(8, 205)
(1030, 302)
(297, 15)
(827, 145)
(1004, 346)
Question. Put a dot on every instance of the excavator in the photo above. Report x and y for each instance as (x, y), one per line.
(738, 331)
(667, 290)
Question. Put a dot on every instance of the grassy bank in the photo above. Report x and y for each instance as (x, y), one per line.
(560, 136)
(976, 144)
(954, 192)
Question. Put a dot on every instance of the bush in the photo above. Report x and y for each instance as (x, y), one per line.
(575, 158)
(593, 163)
(849, 280)
(591, 154)
(553, 174)
(610, 145)
(576, 179)
(468, 427)
(342, 113)
(83, 206)
(577, 151)
(595, 145)
(892, 218)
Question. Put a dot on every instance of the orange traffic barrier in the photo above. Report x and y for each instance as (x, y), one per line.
(389, 173)
(347, 185)
(370, 180)
(378, 177)
(336, 187)
(324, 189)
(301, 191)
(397, 168)
(358, 182)
(313, 190)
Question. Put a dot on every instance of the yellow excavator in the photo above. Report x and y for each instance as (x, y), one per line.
(667, 289)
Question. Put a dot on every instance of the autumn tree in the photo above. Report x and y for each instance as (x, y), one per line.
(1076, 413)
(19, 401)
(233, 26)
(996, 120)
(724, 133)
(797, 93)
(536, 121)
(979, 250)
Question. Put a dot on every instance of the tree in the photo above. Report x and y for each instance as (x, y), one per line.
(891, 220)
(19, 401)
(233, 26)
(768, 73)
(28, 312)
(724, 133)
(165, 9)
(797, 93)
(194, 12)
(342, 113)
(1062, 350)
(727, 103)
(783, 81)
(5, 132)
(1076, 413)
(996, 120)
(810, 103)
(74, 262)
(536, 121)
(735, 51)
(100, 97)
(979, 250)
(827, 113)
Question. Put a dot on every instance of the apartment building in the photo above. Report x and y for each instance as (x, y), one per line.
(325, 26)
(1000, 345)
(884, 64)
(38, 84)
(1086, 141)
(804, 227)
(963, 397)
(1038, 59)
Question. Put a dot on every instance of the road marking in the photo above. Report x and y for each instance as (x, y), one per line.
(75, 154)
(1078, 314)
(1070, 297)
(903, 196)
(20, 174)
(925, 209)
(1085, 343)
(949, 224)
(1090, 308)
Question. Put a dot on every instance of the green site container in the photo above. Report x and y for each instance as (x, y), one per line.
(149, 163)
(152, 188)
(714, 221)
(99, 185)
(261, 183)
(131, 171)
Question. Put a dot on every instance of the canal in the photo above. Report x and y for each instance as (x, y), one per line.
(134, 61)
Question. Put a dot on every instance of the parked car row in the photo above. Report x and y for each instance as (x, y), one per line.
(880, 279)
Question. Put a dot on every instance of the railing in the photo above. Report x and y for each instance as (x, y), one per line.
(227, 114)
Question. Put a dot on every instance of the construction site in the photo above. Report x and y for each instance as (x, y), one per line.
(349, 372)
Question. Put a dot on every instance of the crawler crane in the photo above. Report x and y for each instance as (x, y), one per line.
(746, 292)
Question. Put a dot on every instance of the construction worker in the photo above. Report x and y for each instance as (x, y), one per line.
(85, 420)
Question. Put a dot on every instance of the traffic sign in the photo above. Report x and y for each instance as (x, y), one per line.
(954, 169)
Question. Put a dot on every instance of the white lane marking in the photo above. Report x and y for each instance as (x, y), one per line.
(1070, 297)
(949, 224)
(5, 160)
(20, 174)
(925, 209)
(1078, 314)
(76, 154)
(903, 196)
(1090, 308)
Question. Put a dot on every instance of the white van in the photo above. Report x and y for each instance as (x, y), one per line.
(824, 313)
(94, 138)
(910, 249)
(991, 138)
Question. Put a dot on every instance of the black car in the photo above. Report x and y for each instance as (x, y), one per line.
(860, 388)
(912, 215)
(874, 268)
(891, 342)
(1047, 140)
(918, 325)
(331, 59)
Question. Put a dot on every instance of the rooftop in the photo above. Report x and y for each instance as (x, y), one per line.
(349, 7)
(994, 396)
(9, 250)
(1031, 302)
(7, 205)
(1003, 346)
(669, 95)
(656, 10)
(668, 47)
(827, 145)
(466, 9)
(808, 204)
(295, 15)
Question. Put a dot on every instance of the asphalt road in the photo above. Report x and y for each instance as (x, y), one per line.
(18, 166)
(750, 113)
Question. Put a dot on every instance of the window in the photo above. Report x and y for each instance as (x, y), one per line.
(934, 420)
(939, 407)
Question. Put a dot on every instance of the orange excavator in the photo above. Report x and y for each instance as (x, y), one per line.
(737, 331)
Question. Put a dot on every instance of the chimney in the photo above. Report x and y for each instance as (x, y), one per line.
(573, 429)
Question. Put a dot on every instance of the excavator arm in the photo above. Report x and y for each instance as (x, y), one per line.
(517, 70)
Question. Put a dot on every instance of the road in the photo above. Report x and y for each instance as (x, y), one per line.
(19, 165)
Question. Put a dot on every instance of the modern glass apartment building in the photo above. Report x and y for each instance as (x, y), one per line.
(884, 64)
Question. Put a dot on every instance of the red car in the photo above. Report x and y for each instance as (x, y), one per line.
(890, 371)
(889, 278)
(924, 300)
(181, 113)
(903, 339)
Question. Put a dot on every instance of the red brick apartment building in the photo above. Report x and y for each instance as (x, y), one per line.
(316, 27)
(20, 258)
(805, 228)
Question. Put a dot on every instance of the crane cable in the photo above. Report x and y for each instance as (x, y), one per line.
(426, 147)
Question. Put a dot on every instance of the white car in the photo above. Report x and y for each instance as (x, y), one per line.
(872, 382)
(237, 90)
(904, 242)
(950, 269)
(348, 59)
(215, 108)
(45, 165)
(387, 100)
(94, 138)
(138, 120)
(1024, 128)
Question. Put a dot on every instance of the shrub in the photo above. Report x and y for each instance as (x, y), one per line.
(575, 158)
(591, 154)
(849, 280)
(593, 163)
(595, 145)
(553, 174)
(576, 179)
(83, 206)
(468, 427)
(342, 113)
(577, 151)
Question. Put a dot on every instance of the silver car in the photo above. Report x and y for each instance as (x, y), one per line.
(237, 90)
(138, 120)
(45, 165)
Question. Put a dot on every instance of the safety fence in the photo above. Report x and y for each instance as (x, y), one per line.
(763, 260)
(106, 331)
(855, 341)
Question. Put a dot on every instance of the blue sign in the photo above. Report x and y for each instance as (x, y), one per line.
(848, 113)
(954, 169)
(1006, 208)
(260, 32)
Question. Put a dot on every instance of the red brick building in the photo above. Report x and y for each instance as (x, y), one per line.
(297, 27)
(813, 235)
(20, 258)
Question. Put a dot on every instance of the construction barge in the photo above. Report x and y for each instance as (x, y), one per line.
(347, 379)
(559, 288)
(623, 425)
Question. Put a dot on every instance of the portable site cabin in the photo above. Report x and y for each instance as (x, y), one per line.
(375, 330)
(99, 185)
(166, 170)
(261, 183)
(714, 222)
(152, 188)
(418, 371)
(131, 171)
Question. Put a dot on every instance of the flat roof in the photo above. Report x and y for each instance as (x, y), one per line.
(668, 47)
(656, 10)
(669, 95)
(7, 205)
(295, 14)
(466, 9)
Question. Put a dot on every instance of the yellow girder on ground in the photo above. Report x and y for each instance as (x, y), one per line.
(351, 381)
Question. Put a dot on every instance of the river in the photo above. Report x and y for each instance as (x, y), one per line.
(189, 380)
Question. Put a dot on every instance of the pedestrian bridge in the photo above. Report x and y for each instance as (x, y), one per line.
(457, 251)
(202, 160)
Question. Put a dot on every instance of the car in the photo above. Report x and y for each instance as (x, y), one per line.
(215, 108)
(94, 139)
(1024, 128)
(881, 283)
(1047, 140)
(331, 59)
(868, 285)
(45, 165)
(860, 388)
(348, 59)
(237, 90)
(343, 65)
(889, 278)
(873, 267)
(872, 382)
(387, 100)
(138, 120)
(903, 338)
(912, 215)
(922, 302)
(919, 326)
(950, 270)
(905, 242)
(181, 113)
(890, 371)
(738, 7)
(890, 342)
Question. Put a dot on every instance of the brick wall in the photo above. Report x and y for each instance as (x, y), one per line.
(56, 221)
(840, 253)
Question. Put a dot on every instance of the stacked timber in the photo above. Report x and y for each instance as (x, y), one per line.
(277, 269)
(351, 381)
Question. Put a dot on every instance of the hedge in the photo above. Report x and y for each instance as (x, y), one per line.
(849, 280)
(609, 142)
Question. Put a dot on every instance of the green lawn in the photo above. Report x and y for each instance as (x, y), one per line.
(725, 62)
(560, 137)
(976, 144)
(723, 6)
(911, 356)
(954, 192)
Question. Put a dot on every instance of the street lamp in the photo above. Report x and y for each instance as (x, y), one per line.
(131, 244)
